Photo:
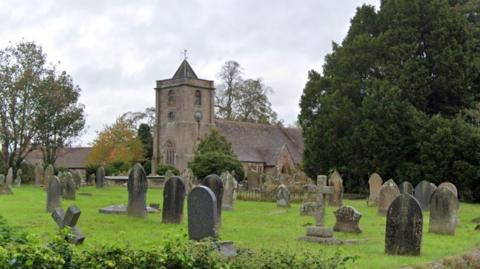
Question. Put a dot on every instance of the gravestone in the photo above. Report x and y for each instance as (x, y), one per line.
(18, 179)
(449, 186)
(49, 171)
(68, 186)
(202, 214)
(9, 180)
(53, 193)
(229, 187)
(69, 219)
(121, 209)
(253, 180)
(173, 199)
(169, 174)
(187, 176)
(403, 234)
(336, 181)
(443, 211)
(137, 192)
(77, 178)
(310, 204)
(348, 219)
(92, 177)
(375, 183)
(283, 196)
(406, 187)
(39, 173)
(2, 179)
(100, 177)
(423, 193)
(215, 184)
(4, 188)
(388, 192)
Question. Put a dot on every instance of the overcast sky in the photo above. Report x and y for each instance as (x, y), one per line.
(116, 50)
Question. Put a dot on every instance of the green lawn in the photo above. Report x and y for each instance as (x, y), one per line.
(252, 224)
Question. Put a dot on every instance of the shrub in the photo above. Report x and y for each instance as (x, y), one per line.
(216, 163)
(162, 169)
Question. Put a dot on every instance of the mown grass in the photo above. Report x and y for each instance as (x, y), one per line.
(252, 224)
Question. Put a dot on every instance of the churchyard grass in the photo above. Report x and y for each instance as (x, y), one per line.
(251, 224)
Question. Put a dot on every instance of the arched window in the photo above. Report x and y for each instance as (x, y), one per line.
(198, 97)
(170, 153)
(171, 98)
(171, 116)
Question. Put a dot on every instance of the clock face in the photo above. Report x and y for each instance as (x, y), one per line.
(198, 116)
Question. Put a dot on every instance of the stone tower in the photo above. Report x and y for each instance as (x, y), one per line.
(184, 113)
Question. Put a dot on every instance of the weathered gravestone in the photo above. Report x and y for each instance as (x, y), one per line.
(39, 173)
(92, 177)
(450, 187)
(169, 174)
(77, 178)
(100, 177)
(173, 199)
(283, 196)
(187, 176)
(4, 188)
(406, 187)
(69, 219)
(68, 186)
(9, 179)
(229, 186)
(443, 211)
(336, 181)
(348, 219)
(403, 234)
(310, 205)
(375, 183)
(388, 192)
(53, 193)
(2, 179)
(423, 193)
(137, 192)
(18, 179)
(215, 184)
(253, 180)
(49, 171)
(202, 214)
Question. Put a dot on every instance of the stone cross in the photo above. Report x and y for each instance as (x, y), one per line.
(322, 190)
(69, 219)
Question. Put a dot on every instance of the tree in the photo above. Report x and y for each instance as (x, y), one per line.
(231, 77)
(145, 135)
(137, 118)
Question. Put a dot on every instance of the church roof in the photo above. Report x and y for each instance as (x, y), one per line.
(73, 158)
(254, 142)
(185, 71)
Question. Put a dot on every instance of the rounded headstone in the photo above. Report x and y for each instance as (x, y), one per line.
(449, 186)
(187, 176)
(49, 171)
(348, 219)
(202, 214)
(375, 183)
(283, 196)
(137, 192)
(173, 199)
(215, 184)
(443, 211)
(9, 180)
(100, 177)
(68, 186)
(406, 187)
(229, 187)
(388, 192)
(39, 174)
(53, 193)
(423, 192)
(336, 181)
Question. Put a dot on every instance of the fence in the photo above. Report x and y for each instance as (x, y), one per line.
(265, 196)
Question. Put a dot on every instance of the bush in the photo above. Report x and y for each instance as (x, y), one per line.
(216, 163)
(162, 169)
(28, 172)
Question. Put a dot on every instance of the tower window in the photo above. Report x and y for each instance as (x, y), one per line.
(171, 98)
(171, 116)
(170, 153)
(198, 97)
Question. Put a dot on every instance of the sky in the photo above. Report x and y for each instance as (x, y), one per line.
(115, 50)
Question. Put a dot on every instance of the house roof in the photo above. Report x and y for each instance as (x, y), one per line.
(73, 158)
(254, 142)
(184, 71)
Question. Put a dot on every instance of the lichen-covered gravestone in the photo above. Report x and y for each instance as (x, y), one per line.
(187, 176)
(229, 186)
(423, 193)
(336, 181)
(49, 171)
(388, 192)
(375, 183)
(54, 191)
(406, 187)
(449, 186)
(443, 211)
(77, 178)
(283, 196)
(309, 206)
(404, 228)
(18, 179)
(137, 192)
(68, 186)
(348, 219)
(202, 214)
(100, 177)
(9, 180)
(39, 173)
(173, 199)
(215, 184)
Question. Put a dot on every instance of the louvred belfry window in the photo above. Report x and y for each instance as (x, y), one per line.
(170, 153)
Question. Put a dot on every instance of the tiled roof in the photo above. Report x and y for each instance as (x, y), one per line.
(184, 71)
(74, 158)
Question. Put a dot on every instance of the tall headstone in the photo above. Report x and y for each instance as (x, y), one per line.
(173, 199)
(215, 184)
(4, 188)
(423, 193)
(100, 177)
(348, 219)
(49, 171)
(229, 187)
(2, 179)
(336, 181)
(283, 196)
(443, 211)
(137, 192)
(406, 187)
(39, 173)
(53, 193)
(77, 178)
(388, 192)
(449, 186)
(18, 179)
(9, 177)
(310, 204)
(68, 186)
(404, 227)
(202, 214)
(187, 176)
(375, 183)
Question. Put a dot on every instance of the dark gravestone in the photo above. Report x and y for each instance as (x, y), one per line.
(443, 211)
(69, 219)
(202, 214)
(100, 177)
(403, 234)
(68, 186)
(173, 198)
(215, 184)
(54, 192)
(137, 192)
(348, 219)
(449, 186)
(406, 187)
(423, 193)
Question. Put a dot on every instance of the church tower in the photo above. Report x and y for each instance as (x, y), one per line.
(184, 113)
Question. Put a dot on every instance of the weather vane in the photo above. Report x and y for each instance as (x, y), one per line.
(185, 54)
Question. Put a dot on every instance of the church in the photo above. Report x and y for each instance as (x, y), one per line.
(185, 113)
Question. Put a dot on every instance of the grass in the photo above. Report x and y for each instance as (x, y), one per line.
(252, 224)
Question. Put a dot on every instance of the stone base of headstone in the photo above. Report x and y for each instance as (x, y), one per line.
(319, 231)
(340, 227)
(227, 248)
(227, 207)
(324, 235)
(85, 194)
(121, 209)
(308, 209)
(5, 190)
